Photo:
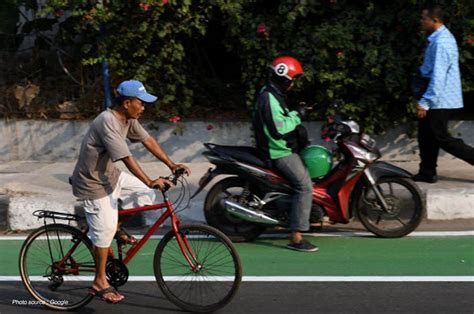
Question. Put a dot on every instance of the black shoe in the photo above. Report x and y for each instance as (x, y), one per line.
(425, 178)
(303, 246)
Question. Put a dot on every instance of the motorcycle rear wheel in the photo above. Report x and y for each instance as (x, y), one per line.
(406, 208)
(235, 228)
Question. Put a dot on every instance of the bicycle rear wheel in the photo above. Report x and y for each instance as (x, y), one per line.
(57, 266)
(214, 280)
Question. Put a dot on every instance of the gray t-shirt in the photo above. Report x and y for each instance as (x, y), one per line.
(95, 175)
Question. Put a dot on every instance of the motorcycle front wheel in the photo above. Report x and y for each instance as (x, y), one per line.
(405, 207)
(232, 188)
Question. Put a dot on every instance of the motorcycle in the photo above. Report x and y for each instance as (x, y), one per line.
(253, 197)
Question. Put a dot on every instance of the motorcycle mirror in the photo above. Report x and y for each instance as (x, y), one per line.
(354, 126)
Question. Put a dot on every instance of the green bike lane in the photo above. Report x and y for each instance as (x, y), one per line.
(337, 256)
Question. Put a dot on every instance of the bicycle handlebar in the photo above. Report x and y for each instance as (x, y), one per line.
(173, 178)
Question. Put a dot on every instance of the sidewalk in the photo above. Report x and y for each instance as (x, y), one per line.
(28, 186)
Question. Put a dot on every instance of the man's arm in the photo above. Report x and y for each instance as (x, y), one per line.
(137, 171)
(132, 165)
(277, 123)
(153, 147)
(438, 78)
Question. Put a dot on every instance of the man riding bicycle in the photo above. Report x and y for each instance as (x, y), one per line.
(99, 184)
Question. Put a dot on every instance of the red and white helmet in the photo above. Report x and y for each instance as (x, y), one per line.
(287, 67)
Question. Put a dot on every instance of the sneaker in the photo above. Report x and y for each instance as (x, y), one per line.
(303, 246)
(424, 178)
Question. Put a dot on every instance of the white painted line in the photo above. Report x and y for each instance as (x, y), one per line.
(413, 234)
(322, 234)
(155, 237)
(360, 278)
(283, 278)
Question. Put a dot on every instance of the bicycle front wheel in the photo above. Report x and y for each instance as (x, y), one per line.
(201, 273)
(57, 266)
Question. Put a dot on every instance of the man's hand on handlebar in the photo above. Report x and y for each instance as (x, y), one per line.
(180, 167)
(161, 184)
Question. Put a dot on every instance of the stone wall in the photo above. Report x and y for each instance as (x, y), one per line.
(60, 140)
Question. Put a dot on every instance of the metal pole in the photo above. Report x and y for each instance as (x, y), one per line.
(105, 71)
(106, 82)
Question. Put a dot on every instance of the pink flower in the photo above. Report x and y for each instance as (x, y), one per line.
(261, 29)
(209, 127)
(164, 1)
(59, 13)
(469, 40)
(145, 6)
(340, 55)
(174, 119)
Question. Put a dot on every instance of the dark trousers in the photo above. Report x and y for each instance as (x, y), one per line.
(433, 135)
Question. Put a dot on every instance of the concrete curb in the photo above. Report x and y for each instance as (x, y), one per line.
(460, 203)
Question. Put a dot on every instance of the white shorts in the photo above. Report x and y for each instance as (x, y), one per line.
(102, 214)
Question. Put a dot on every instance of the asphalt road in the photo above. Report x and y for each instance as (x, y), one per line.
(273, 297)
(338, 256)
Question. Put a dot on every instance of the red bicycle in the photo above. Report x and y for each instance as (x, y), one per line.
(196, 266)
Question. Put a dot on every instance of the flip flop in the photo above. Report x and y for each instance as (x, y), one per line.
(100, 294)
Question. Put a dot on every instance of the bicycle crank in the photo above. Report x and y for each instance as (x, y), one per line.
(116, 272)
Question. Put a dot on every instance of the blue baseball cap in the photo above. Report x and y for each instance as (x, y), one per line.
(134, 88)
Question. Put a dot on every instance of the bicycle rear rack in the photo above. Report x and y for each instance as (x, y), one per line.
(47, 214)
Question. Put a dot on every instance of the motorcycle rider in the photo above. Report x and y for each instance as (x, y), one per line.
(276, 133)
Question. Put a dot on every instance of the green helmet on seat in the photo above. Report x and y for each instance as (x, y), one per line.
(317, 159)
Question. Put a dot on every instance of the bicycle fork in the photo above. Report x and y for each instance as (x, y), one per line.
(185, 247)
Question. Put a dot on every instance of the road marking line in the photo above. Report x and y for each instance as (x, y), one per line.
(365, 234)
(322, 234)
(286, 278)
(360, 278)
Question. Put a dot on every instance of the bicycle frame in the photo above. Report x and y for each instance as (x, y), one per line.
(211, 264)
(175, 223)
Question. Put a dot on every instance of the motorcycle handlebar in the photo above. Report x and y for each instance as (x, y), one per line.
(334, 129)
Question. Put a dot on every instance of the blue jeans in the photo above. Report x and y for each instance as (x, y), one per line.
(293, 169)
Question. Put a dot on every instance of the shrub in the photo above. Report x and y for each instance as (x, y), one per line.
(358, 56)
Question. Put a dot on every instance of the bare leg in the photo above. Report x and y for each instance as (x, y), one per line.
(296, 237)
(100, 281)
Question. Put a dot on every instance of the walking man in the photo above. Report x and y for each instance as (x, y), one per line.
(443, 93)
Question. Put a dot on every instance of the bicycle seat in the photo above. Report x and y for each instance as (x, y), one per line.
(247, 154)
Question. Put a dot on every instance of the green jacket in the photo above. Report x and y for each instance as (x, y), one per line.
(274, 124)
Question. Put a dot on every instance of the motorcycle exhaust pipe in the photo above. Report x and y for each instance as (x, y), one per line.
(248, 214)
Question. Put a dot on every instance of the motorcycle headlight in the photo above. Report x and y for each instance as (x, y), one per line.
(367, 142)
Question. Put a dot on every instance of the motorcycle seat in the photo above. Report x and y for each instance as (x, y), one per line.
(247, 154)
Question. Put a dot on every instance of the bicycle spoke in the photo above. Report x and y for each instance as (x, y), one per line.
(401, 221)
(207, 287)
(61, 283)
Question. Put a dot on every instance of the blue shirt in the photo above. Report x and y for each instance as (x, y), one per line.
(441, 66)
